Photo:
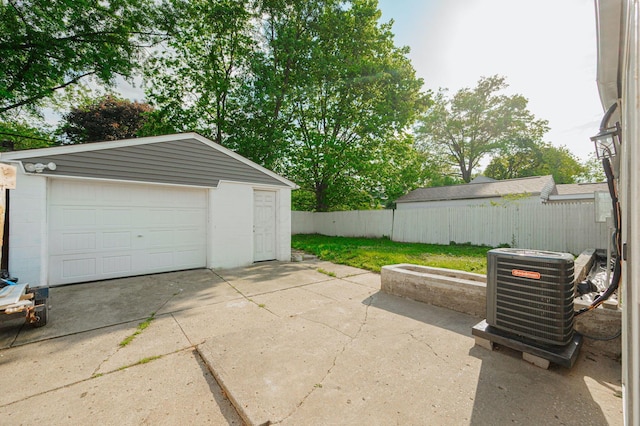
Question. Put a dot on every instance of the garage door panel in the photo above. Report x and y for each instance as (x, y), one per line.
(111, 239)
(160, 238)
(78, 268)
(77, 217)
(114, 195)
(160, 260)
(74, 193)
(187, 236)
(117, 217)
(188, 258)
(85, 241)
(161, 217)
(117, 240)
(189, 218)
(116, 264)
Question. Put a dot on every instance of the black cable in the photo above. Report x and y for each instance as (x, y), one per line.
(602, 339)
(617, 269)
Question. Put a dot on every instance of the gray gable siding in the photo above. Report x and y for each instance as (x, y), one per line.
(182, 162)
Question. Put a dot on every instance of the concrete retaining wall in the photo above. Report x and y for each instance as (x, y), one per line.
(466, 292)
(460, 291)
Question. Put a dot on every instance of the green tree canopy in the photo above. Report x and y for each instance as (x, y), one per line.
(51, 45)
(474, 123)
(106, 118)
(17, 135)
(525, 157)
(359, 94)
(195, 79)
(593, 170)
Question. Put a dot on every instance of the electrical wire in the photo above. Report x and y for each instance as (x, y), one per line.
(617, 268)
(603, 339)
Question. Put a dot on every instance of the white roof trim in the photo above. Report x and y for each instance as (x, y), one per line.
(589, 196)
(97, 146)
(609, 28)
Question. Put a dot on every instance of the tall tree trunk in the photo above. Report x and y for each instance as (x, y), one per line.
(321, 197)
(466, 174)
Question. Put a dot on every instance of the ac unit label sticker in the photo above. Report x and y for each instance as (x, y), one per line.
(525, 274)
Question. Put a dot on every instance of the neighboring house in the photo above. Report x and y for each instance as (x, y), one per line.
(481, 191)
(487, 191)
(138, 206)
(578, 192)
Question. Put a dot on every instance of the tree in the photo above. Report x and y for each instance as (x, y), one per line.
(47, 46)
(358, 96)
(18, 135)
(475, 123)
(193, 81)
(593, 171)
(105, 119)
(559, 162)
(526, 157)
(284, 32)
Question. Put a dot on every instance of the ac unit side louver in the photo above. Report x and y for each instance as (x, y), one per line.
(530, 294)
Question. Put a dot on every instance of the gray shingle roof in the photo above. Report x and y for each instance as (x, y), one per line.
(180, 159)
(580, 188)
(535, 185)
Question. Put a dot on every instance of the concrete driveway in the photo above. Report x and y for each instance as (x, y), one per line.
(290, 343)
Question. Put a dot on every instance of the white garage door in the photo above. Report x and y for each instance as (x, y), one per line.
(109, 230)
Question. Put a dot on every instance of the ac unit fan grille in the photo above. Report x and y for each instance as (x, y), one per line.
(533, 297)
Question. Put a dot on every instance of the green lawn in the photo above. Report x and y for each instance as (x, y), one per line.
(373, 253)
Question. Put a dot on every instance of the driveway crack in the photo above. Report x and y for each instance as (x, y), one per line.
(417, 339)
(319, 385)
(139, 329)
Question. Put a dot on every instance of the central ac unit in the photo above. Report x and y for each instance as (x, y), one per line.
(530, 294)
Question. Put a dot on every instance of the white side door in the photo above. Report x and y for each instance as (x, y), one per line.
(264, 225)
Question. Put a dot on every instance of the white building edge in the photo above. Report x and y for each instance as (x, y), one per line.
(618, 28)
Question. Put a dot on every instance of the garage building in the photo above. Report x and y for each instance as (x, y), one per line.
(138, 206)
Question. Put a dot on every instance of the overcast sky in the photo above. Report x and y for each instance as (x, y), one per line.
(545, 48)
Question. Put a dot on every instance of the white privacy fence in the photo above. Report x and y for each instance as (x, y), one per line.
(355, 223)
(564, 227)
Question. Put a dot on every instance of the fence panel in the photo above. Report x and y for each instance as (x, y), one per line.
(303, 222)
(355, 223)
(420, 225)
(565, 227)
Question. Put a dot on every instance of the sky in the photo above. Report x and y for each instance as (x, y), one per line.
(546, 49)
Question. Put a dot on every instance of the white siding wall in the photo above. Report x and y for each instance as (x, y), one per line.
(28, 229)
(231, 225)
(564, 227)
(283, 218)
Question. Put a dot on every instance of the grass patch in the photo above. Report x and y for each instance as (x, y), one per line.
(329, 273)
(373, 253)
(141, 327)
(142, 361)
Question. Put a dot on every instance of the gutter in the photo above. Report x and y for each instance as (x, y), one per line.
(571, 197)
